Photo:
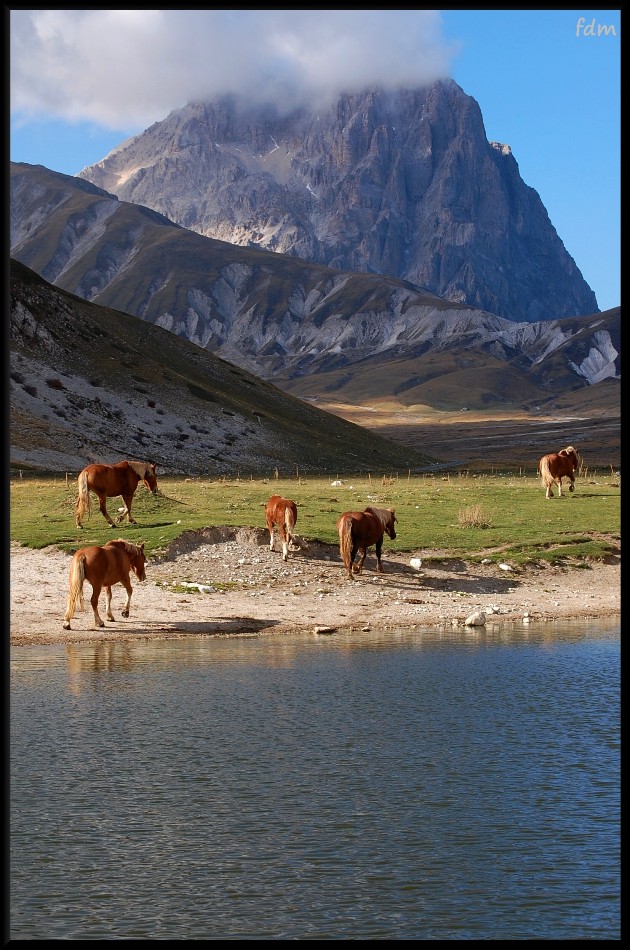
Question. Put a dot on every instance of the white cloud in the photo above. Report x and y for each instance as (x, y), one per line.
(128, 68)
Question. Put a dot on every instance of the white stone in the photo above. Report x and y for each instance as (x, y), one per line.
(476, 619)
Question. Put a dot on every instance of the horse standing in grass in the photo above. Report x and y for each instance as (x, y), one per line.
(554, 467)
(103, 567)
(108, 481)
(358, 530)
(283, 513)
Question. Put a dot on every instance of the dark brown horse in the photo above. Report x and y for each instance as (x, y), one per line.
(108, 481)
(358, 530)
(283, 513)
(103, 567)
(554, 467)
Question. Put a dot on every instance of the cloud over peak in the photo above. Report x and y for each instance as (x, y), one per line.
(125, 69)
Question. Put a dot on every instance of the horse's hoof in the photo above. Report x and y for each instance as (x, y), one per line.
(571, 487)
(66, 625)
(100, 623)
(125, 613)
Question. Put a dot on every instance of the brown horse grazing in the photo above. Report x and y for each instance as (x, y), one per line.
(283, 513)
(556, 466)
(103, 567)
(108, 481)
(358, 530)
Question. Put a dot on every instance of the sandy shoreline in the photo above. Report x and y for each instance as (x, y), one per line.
(247, 589)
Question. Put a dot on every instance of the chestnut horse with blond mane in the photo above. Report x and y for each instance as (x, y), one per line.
(358, 530)
(554, 467)
(108, 481)
(103, 567)
(283, 513)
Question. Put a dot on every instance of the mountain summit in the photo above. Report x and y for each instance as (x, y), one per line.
(403, 184)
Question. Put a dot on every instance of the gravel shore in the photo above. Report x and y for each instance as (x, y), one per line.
(226, 581)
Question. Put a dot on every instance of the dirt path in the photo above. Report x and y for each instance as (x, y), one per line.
(247, 589)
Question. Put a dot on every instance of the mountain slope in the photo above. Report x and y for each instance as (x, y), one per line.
(90, 383)
(292, 322)
(401, 183)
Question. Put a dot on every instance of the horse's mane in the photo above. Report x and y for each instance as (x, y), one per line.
(384, 515)
(140, 468)
(133, 550)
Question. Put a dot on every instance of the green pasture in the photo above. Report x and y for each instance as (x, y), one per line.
(505, 518)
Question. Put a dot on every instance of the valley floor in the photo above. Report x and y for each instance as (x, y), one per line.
(249, 590)
(491, 441)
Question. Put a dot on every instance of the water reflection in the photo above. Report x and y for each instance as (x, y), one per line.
(427, 784)
(282, 651)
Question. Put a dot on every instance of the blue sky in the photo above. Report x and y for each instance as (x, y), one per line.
(547, 83)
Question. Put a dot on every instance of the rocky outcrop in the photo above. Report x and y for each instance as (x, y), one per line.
(400, 183)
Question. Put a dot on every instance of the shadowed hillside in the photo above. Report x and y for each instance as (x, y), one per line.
(88, 383)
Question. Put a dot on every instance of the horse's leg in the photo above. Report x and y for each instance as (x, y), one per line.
(361, 561)
(559, 484)
(285, 544)
(103, 506)
(549, 493)
(351, 565)
(127, 499)
(127, 585)
(96, 592)
(270, 529)
(108, 604)
(379, 548)
(572, 485)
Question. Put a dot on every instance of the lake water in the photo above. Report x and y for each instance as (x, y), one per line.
(423, 785)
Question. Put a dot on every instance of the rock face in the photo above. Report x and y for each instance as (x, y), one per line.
(403, 184)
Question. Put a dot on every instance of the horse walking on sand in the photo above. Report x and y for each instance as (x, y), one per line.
(283, 513)
(108, 481)
(554, 467)
(358, 530)
(103, 567)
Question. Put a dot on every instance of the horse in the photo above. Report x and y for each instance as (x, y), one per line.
(283, 513)
(556, 466)
(358, 530)
(103, 567)
(108, 481)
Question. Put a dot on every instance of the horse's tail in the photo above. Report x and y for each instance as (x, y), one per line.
(75, 592)
(289, 522)
(545, 472)
(345, 540)
(83, 504)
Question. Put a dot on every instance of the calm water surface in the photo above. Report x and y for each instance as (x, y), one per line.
(425, 784)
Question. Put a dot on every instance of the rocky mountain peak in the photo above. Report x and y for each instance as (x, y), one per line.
(401, 183)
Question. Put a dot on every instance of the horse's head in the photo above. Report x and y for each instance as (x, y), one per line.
(571, 453)
(389, 527)
(150, 478)
(138, 560)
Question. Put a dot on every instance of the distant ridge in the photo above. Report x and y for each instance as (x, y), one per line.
(308, 328)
